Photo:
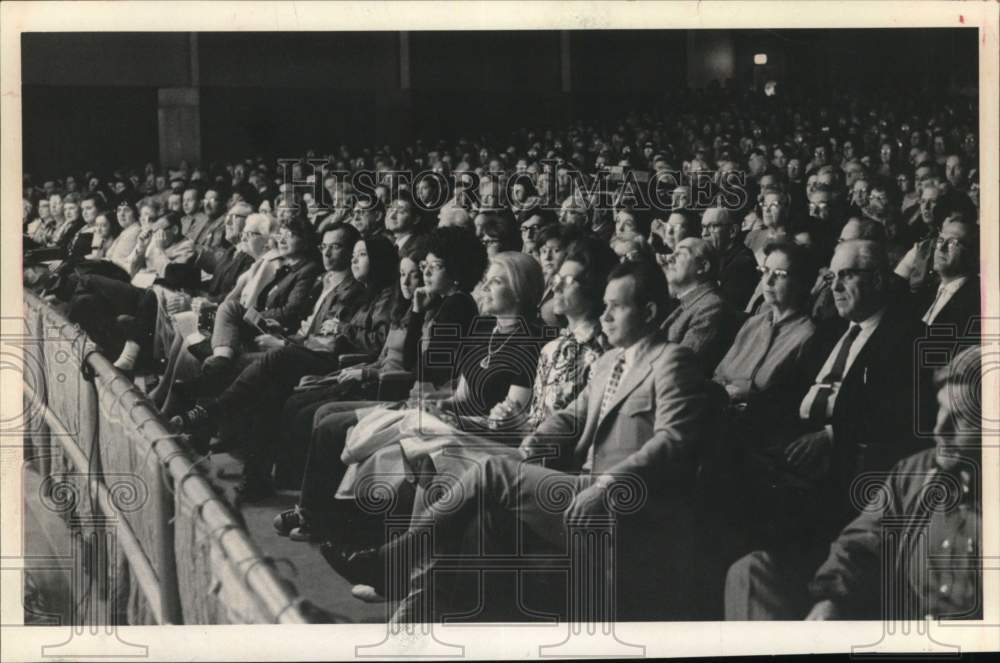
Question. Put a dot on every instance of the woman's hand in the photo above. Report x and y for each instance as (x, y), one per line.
(268, 342)
(421, 299)
(504, 412)
(159, 239)
(330, 327)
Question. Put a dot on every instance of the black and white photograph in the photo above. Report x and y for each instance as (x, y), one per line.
(628, 329)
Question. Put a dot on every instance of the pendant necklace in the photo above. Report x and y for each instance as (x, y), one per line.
(485, 363)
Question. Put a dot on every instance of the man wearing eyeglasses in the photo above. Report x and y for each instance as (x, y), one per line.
(702, 320)
(856, 416)
(226, 263)
(738, 274)
(956, 260)
(529, 231)
(368, 217)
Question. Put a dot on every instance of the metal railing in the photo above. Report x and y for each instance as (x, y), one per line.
(257, 582)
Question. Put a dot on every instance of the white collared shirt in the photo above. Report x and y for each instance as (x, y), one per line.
(944, 294)
(868, 327)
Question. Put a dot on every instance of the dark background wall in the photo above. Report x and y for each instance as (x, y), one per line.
(90, 100)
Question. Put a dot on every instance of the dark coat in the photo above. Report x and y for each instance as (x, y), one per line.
(290, 298)
(738, 275)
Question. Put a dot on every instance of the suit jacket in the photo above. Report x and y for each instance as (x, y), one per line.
(413, 242)
(65, 234)
(253, 281)
(654, 428)
(704, 322)
(290, 299)
(193, 223)
(210, 234)
(961, 311)
(873, 415)
(738, 275)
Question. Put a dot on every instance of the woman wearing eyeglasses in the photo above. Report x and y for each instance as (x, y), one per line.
(763, 375)
(769, 345)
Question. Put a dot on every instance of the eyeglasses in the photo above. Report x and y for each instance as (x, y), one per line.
(490, 241)
(948, 243)
(250, 234)
(530, 230)
(426, 265)
(562, 281)
(715, 226)
(766, 272)
(844, 275)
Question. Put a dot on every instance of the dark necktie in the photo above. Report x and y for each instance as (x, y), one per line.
(817, 413)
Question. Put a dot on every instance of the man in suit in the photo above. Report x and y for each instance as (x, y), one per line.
(71, 224)
(402, 224)
(193, 217)
(856, 416)
(636, 428)
(738, 274)
(207, 231)
(702, 320)
(368, 217)
(956, 302)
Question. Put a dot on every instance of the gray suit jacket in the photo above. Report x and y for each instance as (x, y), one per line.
(703, 322)
(653, 429)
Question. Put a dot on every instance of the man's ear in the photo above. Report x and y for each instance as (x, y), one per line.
(651, 312)
(880, 281)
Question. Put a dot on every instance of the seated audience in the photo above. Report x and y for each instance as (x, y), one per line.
(283, 293)
(643, 416)
(480, 401)
(857, 416)
(260, 388)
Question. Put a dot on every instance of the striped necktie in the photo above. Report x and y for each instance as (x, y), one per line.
(612, 388)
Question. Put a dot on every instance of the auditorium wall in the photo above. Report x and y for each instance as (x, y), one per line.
(91, 99)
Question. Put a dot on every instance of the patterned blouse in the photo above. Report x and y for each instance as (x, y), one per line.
(564, 369)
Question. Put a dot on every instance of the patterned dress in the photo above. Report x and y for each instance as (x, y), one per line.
(564, 369)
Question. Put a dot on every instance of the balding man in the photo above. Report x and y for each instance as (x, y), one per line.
(738, 274)
(702, 321)
(856, 416)
(193, 216)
